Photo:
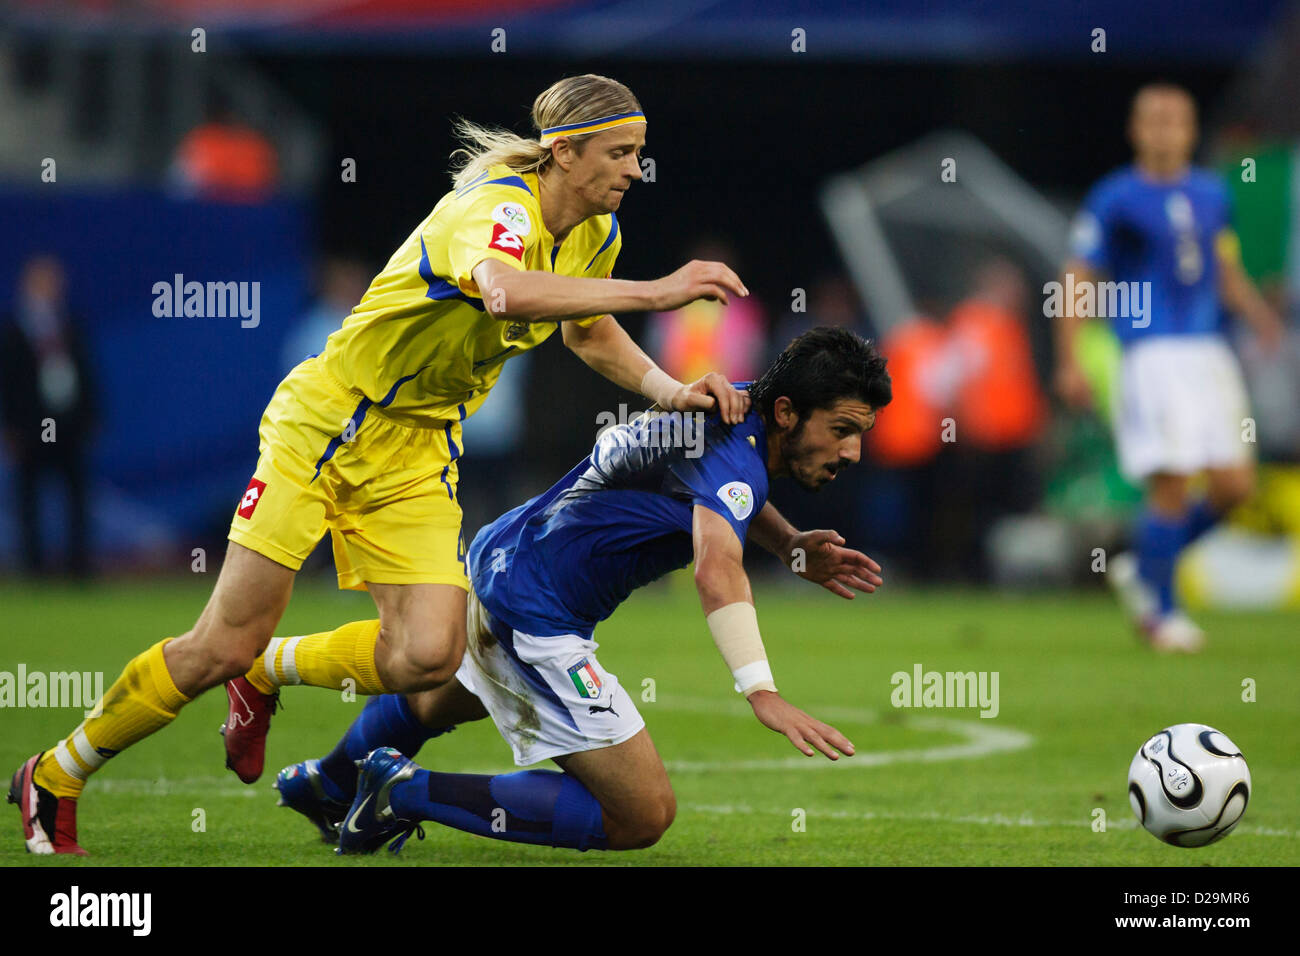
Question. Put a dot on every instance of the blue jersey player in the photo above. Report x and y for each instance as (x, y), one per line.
(1153, 249)
(649, 499)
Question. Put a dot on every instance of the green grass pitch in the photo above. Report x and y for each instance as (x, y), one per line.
(1077, 696)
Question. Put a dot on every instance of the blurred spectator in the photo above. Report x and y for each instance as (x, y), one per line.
(999, 410)
(708, 336)
(997, 398)
(906, 440)
(341, 284)
(225, 160)
(958, 439)
(47, 397)
(910, 434)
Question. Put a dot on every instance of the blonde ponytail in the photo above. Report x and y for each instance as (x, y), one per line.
(574, 99)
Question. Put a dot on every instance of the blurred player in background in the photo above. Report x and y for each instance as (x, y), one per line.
(648, 500)
(224, 159)
(48, 409)
(1163, 227)
(363, 439)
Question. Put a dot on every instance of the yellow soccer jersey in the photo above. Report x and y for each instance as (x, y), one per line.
(420, 344)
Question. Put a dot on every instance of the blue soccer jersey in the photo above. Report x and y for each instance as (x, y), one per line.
(1134, 229)
(563, 561)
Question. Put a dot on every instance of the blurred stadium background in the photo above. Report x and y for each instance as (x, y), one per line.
(296, 142)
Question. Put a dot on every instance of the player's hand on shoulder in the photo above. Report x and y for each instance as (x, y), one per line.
(806, 733)
(821, 557)
(713, 390)
(697, 280)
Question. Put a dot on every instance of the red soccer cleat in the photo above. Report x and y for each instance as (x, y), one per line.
(44, 814)
(247, 723)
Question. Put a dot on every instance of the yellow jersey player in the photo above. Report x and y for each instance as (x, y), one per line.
(363, 440)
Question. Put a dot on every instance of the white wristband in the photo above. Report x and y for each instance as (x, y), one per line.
(751, 676)
(658, 386)
(735, 631)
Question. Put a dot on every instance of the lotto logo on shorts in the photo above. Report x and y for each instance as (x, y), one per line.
(251, 497)
(506, 241)
(584, 678)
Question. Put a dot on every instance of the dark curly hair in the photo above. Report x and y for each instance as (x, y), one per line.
(820, 367)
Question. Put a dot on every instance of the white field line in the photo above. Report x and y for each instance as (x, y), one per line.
(982, 739)
(224, 788)
(996, 820)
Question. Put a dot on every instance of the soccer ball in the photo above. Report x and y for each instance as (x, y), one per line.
(1189, 785)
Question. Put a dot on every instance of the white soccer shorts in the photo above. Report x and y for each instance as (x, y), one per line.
(1181, 407)
(548, 696)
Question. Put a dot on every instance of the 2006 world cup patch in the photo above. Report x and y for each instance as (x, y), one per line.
(738, 497)
(514, 217)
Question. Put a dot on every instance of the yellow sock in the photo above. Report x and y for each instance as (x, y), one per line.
(143, 699)
(321, 660)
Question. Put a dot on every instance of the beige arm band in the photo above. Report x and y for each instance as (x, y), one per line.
(735, 631)
(658, 386)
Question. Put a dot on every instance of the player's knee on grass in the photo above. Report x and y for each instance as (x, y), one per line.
(641, 827)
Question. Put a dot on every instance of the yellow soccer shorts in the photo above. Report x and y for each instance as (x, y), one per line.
(386, 490)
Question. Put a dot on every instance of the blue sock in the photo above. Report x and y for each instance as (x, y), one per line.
(541, 806)
(385, 721)
(1159, 539)
(1200, 519)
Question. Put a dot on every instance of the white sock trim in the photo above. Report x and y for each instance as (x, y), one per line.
(289, 662)
(268, 660)
(86, 750)
(63, 757)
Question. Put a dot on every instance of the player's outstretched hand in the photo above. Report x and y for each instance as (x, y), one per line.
(776, 713)
(820, 557)
(710, 391)
(697, 280)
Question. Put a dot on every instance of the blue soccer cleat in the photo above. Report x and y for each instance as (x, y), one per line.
(301, 789)
(370, 822)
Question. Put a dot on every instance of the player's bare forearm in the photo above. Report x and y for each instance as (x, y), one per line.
(1067, 323)
(607, 348)
(720, 576)
(1071, 383)
(772, 532)
(1243, 298)
(531, 296)
(535, 296)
